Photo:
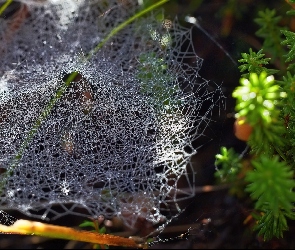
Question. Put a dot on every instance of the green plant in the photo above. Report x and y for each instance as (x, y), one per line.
(98, 226)
(254, 63)
(270, 31)
(231, 165)
(266, 103)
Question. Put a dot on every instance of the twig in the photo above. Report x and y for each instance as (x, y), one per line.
(26, 227)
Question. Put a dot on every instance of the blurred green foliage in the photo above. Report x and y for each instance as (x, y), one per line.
(266, 102)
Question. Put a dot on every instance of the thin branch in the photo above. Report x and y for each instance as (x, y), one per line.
(26, 227)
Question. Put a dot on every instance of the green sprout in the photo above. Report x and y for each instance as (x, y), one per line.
(230, 163)
(253, 63)
(258, 100)
(98, 226)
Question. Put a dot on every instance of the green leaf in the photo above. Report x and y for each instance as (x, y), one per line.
(291, 12)
(102, 230)
(87, 223)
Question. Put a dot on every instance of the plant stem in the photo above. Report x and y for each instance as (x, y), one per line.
(4, 6)
(25, 227)
(123, 25)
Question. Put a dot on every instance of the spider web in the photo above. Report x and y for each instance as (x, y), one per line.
(118, 141)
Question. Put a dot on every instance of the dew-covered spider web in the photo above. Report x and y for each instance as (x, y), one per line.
(118, 141)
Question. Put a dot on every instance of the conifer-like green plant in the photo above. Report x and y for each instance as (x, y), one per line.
(271, 185)
(270, 31)
(257, 99)
(266, 103)
(253, 62)
(231, 163)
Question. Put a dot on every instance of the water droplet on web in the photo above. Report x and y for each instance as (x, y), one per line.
(107, 140)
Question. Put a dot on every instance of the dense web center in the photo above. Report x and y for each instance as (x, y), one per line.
(119, 139)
